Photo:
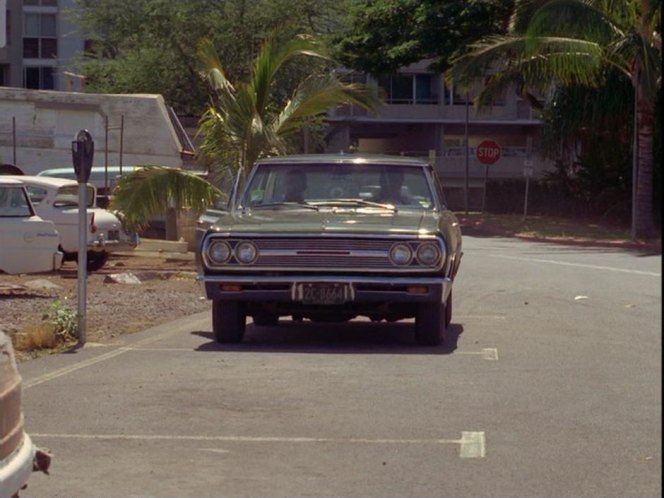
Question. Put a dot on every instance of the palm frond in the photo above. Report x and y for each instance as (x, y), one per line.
(153, 190)
(316, 95)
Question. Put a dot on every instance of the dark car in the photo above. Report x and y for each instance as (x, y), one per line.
(331, 237)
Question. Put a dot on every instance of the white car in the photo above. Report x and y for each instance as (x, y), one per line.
(56, 199)
(19, 457)
(29, 243)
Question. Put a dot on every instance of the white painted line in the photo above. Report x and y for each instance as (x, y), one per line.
(490, 354)
(98, 359)
(494, 317)
(471, 444)
(579, 265)
(486, 353)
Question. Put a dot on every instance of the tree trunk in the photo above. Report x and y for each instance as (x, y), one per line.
(644, 220)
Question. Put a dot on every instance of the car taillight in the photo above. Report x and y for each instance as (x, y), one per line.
(93, 227)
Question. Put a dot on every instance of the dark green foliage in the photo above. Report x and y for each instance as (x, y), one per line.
(383, 35)
(149, 46)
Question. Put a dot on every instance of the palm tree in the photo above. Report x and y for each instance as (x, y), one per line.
(244, 121)
(575, 42)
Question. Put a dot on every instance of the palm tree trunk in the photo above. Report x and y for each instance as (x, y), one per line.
(644, 220)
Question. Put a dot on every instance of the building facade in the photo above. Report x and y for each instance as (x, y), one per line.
(426, 117)
(41, 43)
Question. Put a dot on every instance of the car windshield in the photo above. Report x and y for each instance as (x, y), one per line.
(333, 185)
(68, 196)
(14, 202)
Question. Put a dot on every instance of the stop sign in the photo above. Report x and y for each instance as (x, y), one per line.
(488, 152)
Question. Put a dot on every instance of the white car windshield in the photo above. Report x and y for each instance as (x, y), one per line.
(322, 185)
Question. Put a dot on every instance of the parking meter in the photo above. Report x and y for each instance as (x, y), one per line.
(82, 151)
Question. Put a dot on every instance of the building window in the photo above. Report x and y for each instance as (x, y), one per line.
(4, 74)
(409, 88)
(39, 78)
(49, 3)
(40, 36)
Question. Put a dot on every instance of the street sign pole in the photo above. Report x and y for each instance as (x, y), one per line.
(527, 172)
(487, 152)
(486, 180)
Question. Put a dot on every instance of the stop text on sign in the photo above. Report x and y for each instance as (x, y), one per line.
(488, 152)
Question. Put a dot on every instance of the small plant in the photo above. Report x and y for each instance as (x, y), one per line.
(63, 319)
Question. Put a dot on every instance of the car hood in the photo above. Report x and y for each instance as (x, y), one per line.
(338, 221)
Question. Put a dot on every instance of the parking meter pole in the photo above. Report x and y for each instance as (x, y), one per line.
(82, 262)
(82, 150)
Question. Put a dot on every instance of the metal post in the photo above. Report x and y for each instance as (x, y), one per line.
(635, 162)
(465, 189)
(121, 140)
(14, 140)
(82, 260)
(525, 200)
(486, 180)
(106, 156)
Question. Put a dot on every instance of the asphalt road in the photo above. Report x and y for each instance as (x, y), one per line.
(549, 386)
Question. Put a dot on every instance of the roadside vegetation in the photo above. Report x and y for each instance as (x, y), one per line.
(591, 68)
(57, 329)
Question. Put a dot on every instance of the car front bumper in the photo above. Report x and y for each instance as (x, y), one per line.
(364, 289)
(17, 467)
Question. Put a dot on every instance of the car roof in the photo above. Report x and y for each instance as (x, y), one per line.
(10, 181)
(348, 159)
(95, 169)
(44, 181)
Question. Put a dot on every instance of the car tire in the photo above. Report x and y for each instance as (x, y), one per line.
(265, 319)
(96, 260)
(430, 326)
(229, 319)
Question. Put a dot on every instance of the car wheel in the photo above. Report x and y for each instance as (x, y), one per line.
(264, 319)
(229, 319)
(448, 310)
(96, 260)
(430, 326)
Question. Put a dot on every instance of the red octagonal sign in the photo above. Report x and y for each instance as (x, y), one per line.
(488, 152)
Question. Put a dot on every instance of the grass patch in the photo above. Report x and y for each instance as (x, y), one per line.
(57, 328)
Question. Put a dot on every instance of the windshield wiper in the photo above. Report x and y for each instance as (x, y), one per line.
(283, 204)
(357, 202)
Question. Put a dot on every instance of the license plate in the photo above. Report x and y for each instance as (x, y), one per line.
(323, 293)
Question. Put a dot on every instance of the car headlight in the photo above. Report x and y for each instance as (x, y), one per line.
(246, 253)
(401, 254)
(428, 254)
(219, 252)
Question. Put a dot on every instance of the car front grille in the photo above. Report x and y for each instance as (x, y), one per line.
(325, 254)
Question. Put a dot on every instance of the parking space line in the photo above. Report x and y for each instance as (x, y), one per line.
(486, 353)
(579, 265)
(471, 444)
(97, 359)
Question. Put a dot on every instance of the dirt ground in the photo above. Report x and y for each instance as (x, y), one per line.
(167, 291)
